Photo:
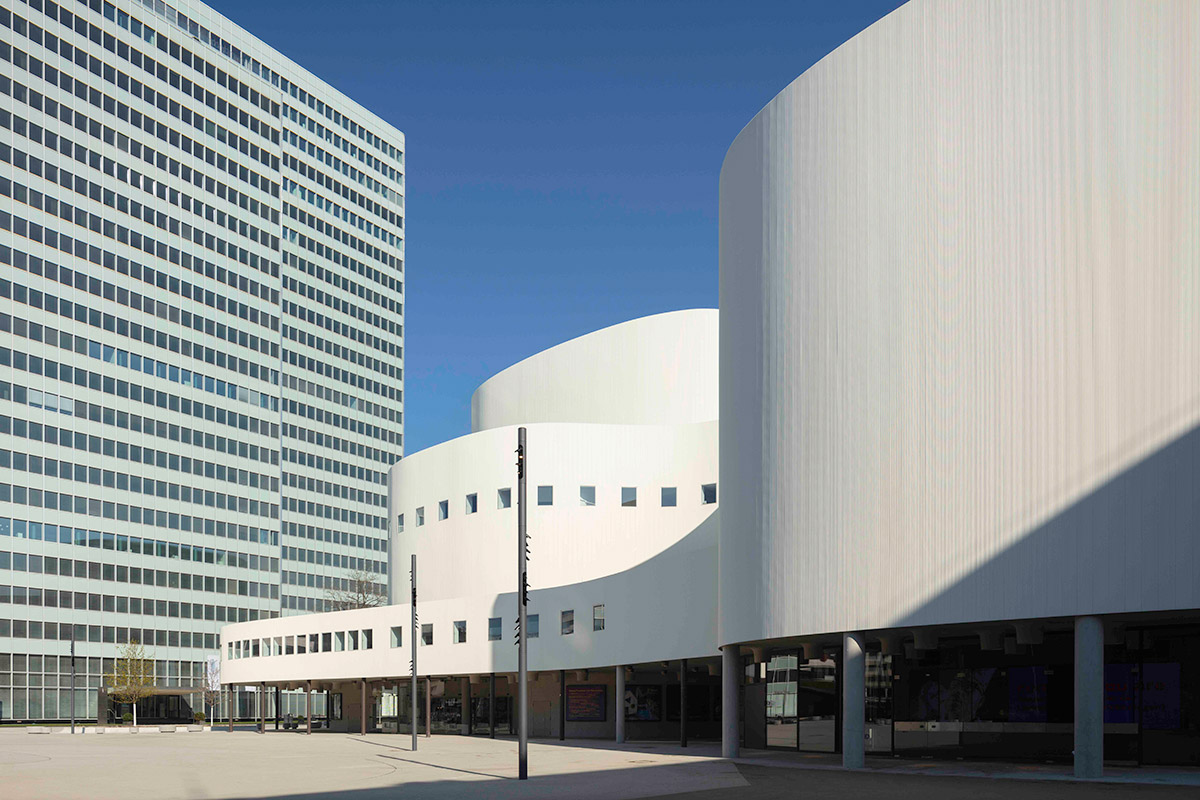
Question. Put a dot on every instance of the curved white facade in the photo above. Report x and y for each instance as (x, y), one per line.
(649, 565)
(657, 370)
(960, 325)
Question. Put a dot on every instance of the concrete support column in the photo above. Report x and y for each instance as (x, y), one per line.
(428, 708)
(308, 708)
(683, 709)
(620, 704)
(262, 708)
(232, 704)
(276, 708)
(1089, 697)
(362, 683)
(467, 718)
(492, 706)
(854, 699)
(731, 689)
(562, 705)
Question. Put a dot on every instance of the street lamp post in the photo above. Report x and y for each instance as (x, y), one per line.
(522, 602)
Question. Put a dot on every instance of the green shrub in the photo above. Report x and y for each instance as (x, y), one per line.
(127, 717)
(199, 716)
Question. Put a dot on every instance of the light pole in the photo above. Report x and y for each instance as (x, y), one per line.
(72, 679)
(522, 602)
(415, 634)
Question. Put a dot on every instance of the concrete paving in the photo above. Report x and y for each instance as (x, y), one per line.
(289, 766)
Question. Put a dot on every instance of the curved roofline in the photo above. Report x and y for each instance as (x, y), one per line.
(597, 332)
(807, 72)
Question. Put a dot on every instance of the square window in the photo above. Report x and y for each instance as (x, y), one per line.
(628, 496)
(545, 495)
(494, 629)
(568, 622)
(460, 631)
(472, 503)
(668, 496)
(587, 495)
(504, 498)
(598, 617)
(443, 509)
(420, 516)
(427, 633)
(708, 494)
(531, 621)
(397, 636)
(399, 523)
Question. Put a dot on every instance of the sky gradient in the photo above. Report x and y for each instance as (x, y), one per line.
(562, 157)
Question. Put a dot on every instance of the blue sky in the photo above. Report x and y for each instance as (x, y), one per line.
(562, 157)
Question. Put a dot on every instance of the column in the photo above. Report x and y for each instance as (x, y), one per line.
(262, 708)
(731, 674)
(308, 708)
(1089, 697)
(396, 689)
(854, 699)
(466, 707)
(276, 708)
(492, 705)
(562, 705)
(619, 704)
(428, 709)
(683, 711)
(232, 704)
(362, 682)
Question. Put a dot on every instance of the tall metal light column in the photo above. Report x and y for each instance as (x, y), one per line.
(72, 679)
(522, 601)
(415, 633)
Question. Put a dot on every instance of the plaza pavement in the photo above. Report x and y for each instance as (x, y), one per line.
(220, 766)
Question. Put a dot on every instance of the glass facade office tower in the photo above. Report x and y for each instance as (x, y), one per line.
(201, 257)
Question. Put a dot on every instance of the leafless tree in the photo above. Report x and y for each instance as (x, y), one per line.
(212, 686)
(132, 678)
(361, 589)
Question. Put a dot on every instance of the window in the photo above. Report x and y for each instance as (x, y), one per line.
(460, 631)
(568, 622)
(531, 621)
(339, 642)
(587, 495)
(628, 496)
(708, 494)
(427, 633)
(545, 495)
(399, 523)
(368, 639)
(668, 496)
(397, 636)
(443, 509)
(598, 617)
(494, 629)
(420, 516)
(504, 498)
(472, 503)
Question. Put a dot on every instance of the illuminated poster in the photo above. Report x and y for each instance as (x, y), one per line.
(1120, 697)
(1160, 701)
(643, 703)
(587, 703)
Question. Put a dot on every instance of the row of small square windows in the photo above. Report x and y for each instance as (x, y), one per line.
(336, 642)
(668, 498)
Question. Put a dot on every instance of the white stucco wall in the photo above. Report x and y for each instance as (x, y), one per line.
(960, 324)
(653, 568)
(656, 370)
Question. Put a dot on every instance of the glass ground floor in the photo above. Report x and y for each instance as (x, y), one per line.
(1006, 701)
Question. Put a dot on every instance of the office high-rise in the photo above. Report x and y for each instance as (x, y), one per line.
(201, 267)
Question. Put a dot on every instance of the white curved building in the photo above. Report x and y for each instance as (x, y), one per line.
(960, 382)
(622, 464)
(959, 385)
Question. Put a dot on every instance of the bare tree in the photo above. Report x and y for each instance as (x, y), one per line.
(132, 678)
(361, 589)
(212, 685)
